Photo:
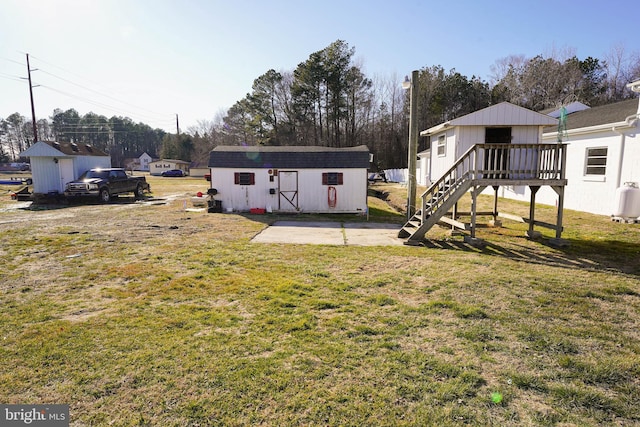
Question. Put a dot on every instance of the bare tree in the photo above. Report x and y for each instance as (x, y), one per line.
(622, 67)
(500, 69)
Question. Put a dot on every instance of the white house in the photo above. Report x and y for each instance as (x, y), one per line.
(603, 153)
(54, 164)
(139, 162)
(163, 165)
(290, 179)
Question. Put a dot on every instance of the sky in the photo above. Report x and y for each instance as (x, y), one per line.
(153, 60)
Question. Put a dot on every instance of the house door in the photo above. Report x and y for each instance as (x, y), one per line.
(496, 159)
(65, 166)
(288, 191)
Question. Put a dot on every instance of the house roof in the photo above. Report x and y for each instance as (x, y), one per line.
(569, 108)
(302, 157)
(61, 149)
(604, 114)
(503, 114)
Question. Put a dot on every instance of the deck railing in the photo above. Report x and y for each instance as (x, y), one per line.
(491, 164)
(519, 161)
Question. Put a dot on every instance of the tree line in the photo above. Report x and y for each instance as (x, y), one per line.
(328, 100)
(119, 136)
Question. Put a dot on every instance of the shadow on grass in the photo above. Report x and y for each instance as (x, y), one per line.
(375, 215)
(63, 203)
(598, 256)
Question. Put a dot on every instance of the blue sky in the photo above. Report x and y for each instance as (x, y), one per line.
(152, 59)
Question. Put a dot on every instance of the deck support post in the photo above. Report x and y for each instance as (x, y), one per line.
(474, 208)
(560, 191)
(495, 222)
(532, 213)
(454, 215)
(495, 202)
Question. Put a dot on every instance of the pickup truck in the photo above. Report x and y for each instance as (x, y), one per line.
(105, 183)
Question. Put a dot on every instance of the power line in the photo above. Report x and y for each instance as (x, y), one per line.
(99, 104)
(100, 93)
(153, 118)
(22, 64)
(10, 77)
(92, 82)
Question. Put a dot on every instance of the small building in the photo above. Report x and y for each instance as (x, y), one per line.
(290, 179)
(158, 166)
(498, 146)
(603, 153)
(138, 162)
(54, 164)
(198, 169)
(503, 123)
(422, 168)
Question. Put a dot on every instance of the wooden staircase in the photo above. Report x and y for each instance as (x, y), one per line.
(486, 165)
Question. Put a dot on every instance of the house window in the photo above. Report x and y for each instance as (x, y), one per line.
(245, 178)
(332, 178)
(596, 161)
(442, 145)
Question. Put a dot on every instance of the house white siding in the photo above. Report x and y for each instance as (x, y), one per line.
(441, 162)
(304, 191)
(159, 166)
(597, 193)
(461, 138)
(145, 159)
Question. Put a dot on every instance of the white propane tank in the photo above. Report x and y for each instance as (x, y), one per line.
(627, 203)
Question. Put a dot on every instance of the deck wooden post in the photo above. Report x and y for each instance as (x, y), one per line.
(532, 212)
(495, 202)
(454, 216)
(474, 205)
(560, 191)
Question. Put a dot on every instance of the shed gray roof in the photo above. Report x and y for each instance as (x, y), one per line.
(300, 157)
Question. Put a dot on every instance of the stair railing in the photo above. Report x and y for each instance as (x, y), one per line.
(440, 190)
(495, 162)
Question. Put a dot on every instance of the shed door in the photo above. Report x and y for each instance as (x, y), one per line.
(65, 166)
(288, 191)
(496, 160)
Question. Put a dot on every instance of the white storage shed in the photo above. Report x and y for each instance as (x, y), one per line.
(290, 179)
(54, 164)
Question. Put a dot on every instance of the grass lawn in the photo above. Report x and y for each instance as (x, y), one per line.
(147, 314)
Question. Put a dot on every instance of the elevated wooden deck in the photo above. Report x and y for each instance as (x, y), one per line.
(491, 165)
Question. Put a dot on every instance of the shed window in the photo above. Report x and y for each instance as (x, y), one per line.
(596, 161)
(332, 178)
(245, 178)
(442, 145)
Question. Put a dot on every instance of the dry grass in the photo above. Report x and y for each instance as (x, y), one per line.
(147, 314)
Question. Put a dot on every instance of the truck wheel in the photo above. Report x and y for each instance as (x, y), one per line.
(104, 195)
(139, 191)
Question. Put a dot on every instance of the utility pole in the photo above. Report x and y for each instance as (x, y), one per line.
(413, 143)
(177, 125)
(33, 110)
